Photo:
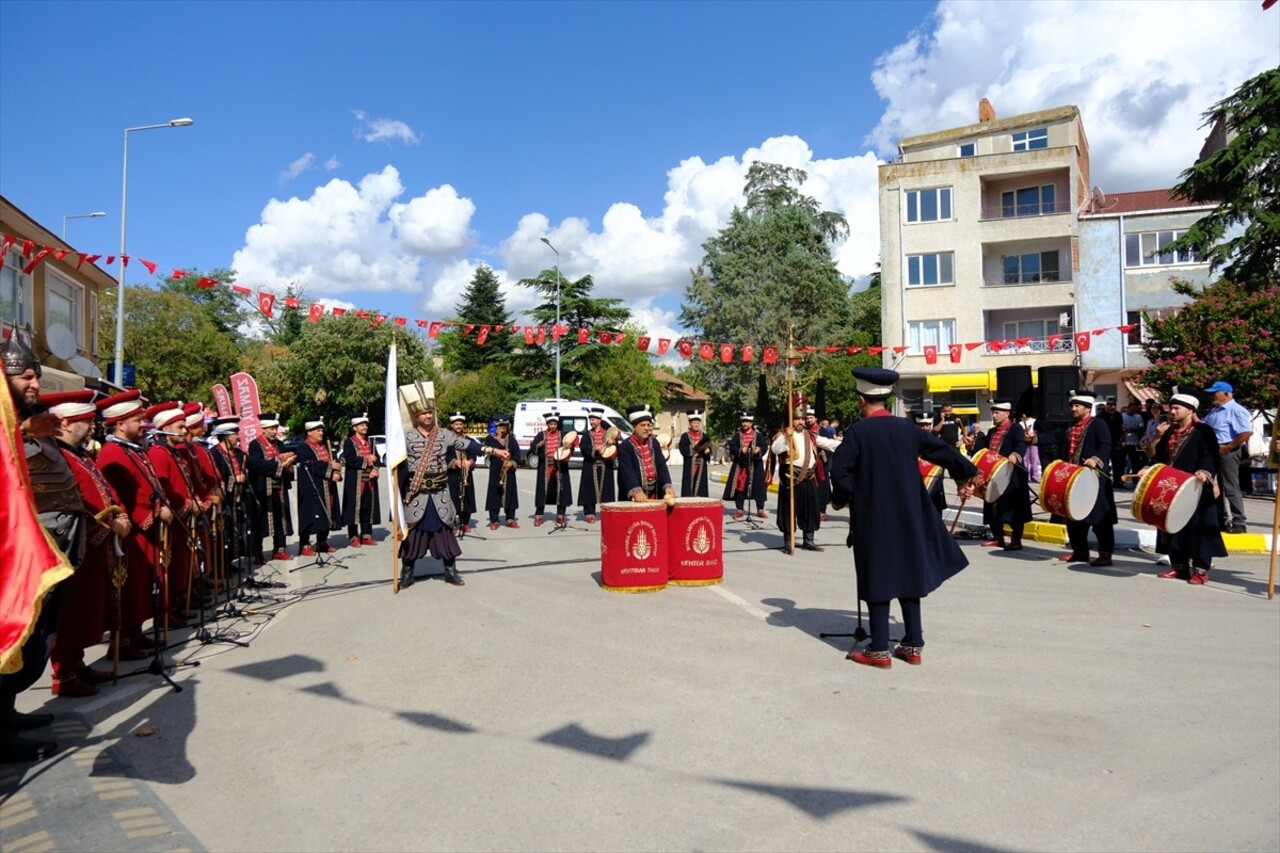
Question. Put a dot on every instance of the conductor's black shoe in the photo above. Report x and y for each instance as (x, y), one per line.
(14, 750)
(451, 576)
(406, 580)
(809, 546)
(26, 722)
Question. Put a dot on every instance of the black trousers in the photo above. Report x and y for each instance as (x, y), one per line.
(912, 635)
(1078, 536)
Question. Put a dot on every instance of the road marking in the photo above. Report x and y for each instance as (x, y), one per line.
(31, 843)
(740, 601)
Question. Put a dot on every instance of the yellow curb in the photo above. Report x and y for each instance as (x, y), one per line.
(724, 478)
(1245, 543)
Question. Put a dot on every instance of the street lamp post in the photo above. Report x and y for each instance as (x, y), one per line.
(93, 215)
(557, 336)
(124, 204)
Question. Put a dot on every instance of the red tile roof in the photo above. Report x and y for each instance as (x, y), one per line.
(1143, 200)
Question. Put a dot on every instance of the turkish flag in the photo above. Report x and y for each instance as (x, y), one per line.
(400, 321)
(931, 354)
(996, 346)
(315, 312)
(619, 337)
(542, 335)
(515, 330)
(642, 343)
(362, 314)
(528, 335)
(150, 265)
(748, 352)
(81, 259)
(955, 350)
(290, 302)
(1022, 342)
(1053, 341)
(830, 350)
(663, 345)
(35, 262)
(338, 312)
(726, 353)
(583, 336)
(265, 302)
(707, 351)
(770, 354)
(853, 350)
(378, 320)
(483, 336)
(973, 346)
(875, 350)
(434, 330)
(1082, 341)
(467, 329)
(1128, 327)
(685, 348)
(422, 324)
(603, 337)
(205, 283)
(900, 350)
(178, 274)
(558, 332)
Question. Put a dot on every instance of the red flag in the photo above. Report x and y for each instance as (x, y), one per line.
(706, 350)
(515, 330)
(642, 343)
(973, 346)
(8, 241)
(338, 312)
(1097, 332)
(265, 302)
(1053, 341)
(1022, 342)
(558, 331)
(243, 291)
(467, 329)
(315, 312)
(875, 350)
(748, 352)
(206, 283)
(87, 259)
(726, 353)
(35, 262)
(996, 346)
(528, 335)
(1128, 327)
(150, 265)
(400, 321)
(604, 337)
(542, 335)
(178, 274)
(378, 320)
(619, 337)
(685, 348)
(59, 254)
(422, 324)
(1082, 341)
(955, 350)
(497, 328)
(363, 315)
(124, 260)
(930, 354)
(770, 354)
(30, 563)
(244, 394)
(290, 302)
(223, 400)
(830, 350)
(110, 259)
(900, 350)
(29, 246)
(663, 345)
(434, 331)
(853, 350)
(583, 336)
(484, 335)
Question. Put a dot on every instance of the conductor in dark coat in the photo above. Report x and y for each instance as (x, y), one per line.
(1190, 445)
(746, 481)
(901, 548)
(642, 472)
(1087, 442)
(1007, 438)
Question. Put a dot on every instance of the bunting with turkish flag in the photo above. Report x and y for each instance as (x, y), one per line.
(315, 312)
(434, 331)
(484, 335)
(748, 352)
(290, 302)
(770, 354)
(706, 350)
(664, 344)
(726, 353)
(642, 343)
(930, 354)
(528, 336)
(955, 350)
(265, 302)
(583, 336)
(1082, 341)
(685, 348)
(30, 563)
(604, 337)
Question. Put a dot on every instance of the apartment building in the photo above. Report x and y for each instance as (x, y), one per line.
(980, 243)
(54, 307)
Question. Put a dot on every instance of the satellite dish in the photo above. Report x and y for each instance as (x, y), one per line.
(84, 367)
(1099, 198)
(60, 340)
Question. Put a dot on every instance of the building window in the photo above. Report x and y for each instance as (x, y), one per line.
(1137, 336)
(1148, 249)
(931, 205)
(1028, 201)
(969, 149)
(1036, 329)
(1028, 140)
(15, 291)
(929, 270)
(1031, 268)
(63, 304)
(93, 322)
(923, 333)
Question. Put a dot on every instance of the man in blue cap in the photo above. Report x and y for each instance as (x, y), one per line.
(900, 546)
(1232, 426)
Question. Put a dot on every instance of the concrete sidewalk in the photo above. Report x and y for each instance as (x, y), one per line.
(1058, 708)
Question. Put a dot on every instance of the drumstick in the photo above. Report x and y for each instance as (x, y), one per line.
(959, 509)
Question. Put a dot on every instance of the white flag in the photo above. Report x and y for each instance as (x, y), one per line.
(397, 451)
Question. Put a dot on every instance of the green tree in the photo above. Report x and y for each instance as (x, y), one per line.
(618, 375)
(480, 394)
(1227, 331)
(1243, 178)
(228, 310)
(482, 304)
(768, 272)
(337, 369)
(578, 310)
(865, 310)
(178, 353)
(286, 325)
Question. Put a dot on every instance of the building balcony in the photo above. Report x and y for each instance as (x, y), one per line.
(1031, 346)
(1017, 278)
(1011, 210)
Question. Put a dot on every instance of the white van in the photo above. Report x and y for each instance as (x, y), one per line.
(528, 420)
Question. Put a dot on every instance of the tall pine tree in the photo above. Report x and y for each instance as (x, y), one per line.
(482, 305)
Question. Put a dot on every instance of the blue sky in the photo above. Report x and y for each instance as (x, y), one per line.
(376, 153)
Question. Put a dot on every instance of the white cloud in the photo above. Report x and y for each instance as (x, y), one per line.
(297, 167)
(332, 163)
(436, 223)
(383, 129)
(1140, 74)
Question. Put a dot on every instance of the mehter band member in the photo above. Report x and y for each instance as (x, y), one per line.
(360, 498)
(901, 548)
(596, 485)
(642, 471)
(553, 484)
(797, 451)
(271, 474)
(695, 449)
(746, 480)
(503, 494)
(937, 494)
(1007, 439)
(462, 486)
(318, 476)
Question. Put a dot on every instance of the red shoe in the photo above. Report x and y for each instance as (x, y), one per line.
(466, 528)
(737, 515)
(355, 542)
(910, 654)
(822, 516)
(591, 519)
(307, 551)
(493, 525)
(328, 549)
(762, 514)
(560, 520)
(537, 522)
(993, 543)
(1175, 574)
(1198, 578)
(1074, 558)
(368, 540)
(880, 660)
(282, 554)
(513, 523)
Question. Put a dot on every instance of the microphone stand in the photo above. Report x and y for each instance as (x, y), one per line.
(322, 559)
(562, 518)
(750, 517)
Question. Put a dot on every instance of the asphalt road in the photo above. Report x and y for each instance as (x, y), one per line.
(1058, 708)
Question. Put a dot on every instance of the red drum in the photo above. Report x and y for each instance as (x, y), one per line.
(633, 546)
(1068, 490)
(695, 542)
(929, 473)
(1166, 498)
(996, 471)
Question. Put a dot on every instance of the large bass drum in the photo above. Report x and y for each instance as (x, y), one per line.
(633, 546)
(1068, 490)
(1166, 498)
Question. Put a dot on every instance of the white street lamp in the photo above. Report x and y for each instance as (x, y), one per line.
(553, 248)
(124, 204)
(93, 215)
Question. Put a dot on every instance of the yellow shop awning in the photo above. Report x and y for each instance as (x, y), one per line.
(940, 383)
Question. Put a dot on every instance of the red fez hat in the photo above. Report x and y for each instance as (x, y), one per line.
(71, 405)
(163, 414)
(194, 413)
(120, 406)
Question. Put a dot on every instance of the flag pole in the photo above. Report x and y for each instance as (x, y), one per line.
(396, 456)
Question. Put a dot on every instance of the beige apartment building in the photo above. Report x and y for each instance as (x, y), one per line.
(979, 244)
